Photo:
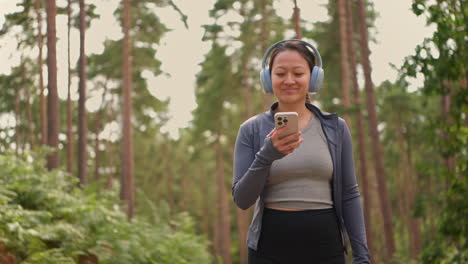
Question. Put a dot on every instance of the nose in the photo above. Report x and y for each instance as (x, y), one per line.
(289, 79)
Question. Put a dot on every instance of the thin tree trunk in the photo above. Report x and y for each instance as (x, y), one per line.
(69, 103)
(403, 183)
(17, 119)
(244, 215)
(169, 174)
(43, 105)
(412, 223)
(52, 96)
(109, 147)
(127, 162)
(415, 224)
(264, 39)
(217, 247)
(360, 129)
(445, 107)
(296, 21)
(184, 187)
(110, 164)
(225, 227)
(342, 11)
(376, 147)
(97, 155)
(98, 127)
(82, 116)
(27, 94)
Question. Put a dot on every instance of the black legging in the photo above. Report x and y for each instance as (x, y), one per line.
(298, 237)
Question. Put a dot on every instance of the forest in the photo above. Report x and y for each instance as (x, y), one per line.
(110, 185)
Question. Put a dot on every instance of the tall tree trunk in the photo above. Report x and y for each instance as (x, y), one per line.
(127, 162)
(342, 11)
(97, 155)
(98, 128)
(43, 106)
(17, 119)
(264, 39)
(82, 119)
(217, 247)
(415, 225)
(296, 21)
(360, 130)
(52, 96)
(184, 188)
(110, 164)
(168, 170)
(445, 107)
(244, 215)
(412, 223)
(225, 226)
(69, 102)
(376, 147)
(27, 95)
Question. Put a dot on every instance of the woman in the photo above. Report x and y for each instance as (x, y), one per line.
(303, 185)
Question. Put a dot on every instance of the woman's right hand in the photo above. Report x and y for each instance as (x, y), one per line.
(287, 144)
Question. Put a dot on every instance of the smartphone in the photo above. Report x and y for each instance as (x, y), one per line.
(289, 119)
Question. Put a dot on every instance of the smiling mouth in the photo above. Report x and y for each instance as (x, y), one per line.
(289, 89)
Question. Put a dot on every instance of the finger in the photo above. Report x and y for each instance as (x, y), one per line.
(275, 133)
(291, 138)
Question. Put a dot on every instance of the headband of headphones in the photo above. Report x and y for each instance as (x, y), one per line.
(316, 74)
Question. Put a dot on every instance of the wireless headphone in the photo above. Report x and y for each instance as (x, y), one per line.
(316, 74)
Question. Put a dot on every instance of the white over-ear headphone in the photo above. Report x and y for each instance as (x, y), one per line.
(316, 74)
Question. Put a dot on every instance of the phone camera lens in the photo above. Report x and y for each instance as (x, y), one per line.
(280, 123)
(280, 118)
(285, 120)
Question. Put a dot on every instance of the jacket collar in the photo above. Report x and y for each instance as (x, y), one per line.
(311, 107)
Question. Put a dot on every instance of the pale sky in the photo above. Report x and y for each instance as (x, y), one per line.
(399, 31)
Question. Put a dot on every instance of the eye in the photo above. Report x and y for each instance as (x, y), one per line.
(279, 74)
(299, 74)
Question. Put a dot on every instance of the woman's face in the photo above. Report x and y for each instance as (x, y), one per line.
(290, 77)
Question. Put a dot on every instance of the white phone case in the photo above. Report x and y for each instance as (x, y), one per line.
(289, 119)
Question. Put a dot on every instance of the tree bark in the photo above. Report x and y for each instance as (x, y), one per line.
(445, 107)
(52, 96)
(412, 223)
(360, 130)
(225, 226)
(69, 103)
(98, 128)
(415, 225)
(127, 162)
(40, 62)
(264, 39)
(296, 21)
(376, 147)
(82, 116)
(184, 188)
(344, 59)
(27, 95)
(17, 119)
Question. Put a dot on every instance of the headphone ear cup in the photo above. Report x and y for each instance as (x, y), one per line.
(316, 79)
(265, 80)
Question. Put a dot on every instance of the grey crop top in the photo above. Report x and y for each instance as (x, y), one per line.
(302, 179)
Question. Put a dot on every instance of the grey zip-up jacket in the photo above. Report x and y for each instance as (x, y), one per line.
(254, 153)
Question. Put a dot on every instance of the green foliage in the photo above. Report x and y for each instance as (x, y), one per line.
(325, 34)
(46, 218)
(441, 60)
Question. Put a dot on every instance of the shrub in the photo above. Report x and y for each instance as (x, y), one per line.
(46, 218)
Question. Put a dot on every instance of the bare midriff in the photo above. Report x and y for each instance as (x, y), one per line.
(284, 209)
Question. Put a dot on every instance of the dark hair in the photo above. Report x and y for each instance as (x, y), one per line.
(293, 45)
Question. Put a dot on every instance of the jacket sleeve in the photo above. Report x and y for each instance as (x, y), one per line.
(251, 169)
(352, 209)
